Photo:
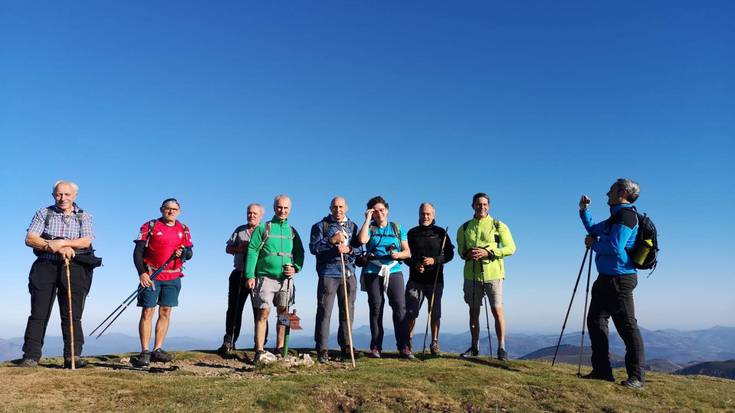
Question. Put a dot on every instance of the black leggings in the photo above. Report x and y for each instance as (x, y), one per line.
(397, 302)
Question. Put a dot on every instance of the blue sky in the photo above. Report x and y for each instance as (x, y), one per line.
(229, 103)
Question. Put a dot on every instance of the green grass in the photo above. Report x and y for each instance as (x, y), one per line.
(389, 385)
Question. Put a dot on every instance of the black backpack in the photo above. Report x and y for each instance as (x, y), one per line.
(644, 252)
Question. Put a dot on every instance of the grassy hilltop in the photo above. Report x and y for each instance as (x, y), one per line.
(202, 381)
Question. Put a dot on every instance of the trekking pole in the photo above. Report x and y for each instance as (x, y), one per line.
(487, 323)
(347, 308)
(584, 316)
(288, 325)
(581, 268)
(71, 316)
(124, 305)
(433, 291)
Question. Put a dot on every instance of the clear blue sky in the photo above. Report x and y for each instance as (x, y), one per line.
(227, 103)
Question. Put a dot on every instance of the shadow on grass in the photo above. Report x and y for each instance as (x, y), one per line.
(502, 365)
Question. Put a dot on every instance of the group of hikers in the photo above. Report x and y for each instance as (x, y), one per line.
(269, 255)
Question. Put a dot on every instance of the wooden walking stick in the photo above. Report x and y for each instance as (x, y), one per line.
(71, 316)
(347, 308)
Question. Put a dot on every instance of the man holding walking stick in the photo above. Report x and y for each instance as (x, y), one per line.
(431, 248)
(484, 242)
(56, 234)
(612, 292)
(335, 244)
(238, 291)
(157, 241)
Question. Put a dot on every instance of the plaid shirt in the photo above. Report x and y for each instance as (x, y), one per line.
(73, 226)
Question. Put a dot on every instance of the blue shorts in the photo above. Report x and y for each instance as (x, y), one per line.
(164, 293)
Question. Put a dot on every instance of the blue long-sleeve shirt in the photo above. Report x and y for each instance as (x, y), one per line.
(615, 236)
(327, 256)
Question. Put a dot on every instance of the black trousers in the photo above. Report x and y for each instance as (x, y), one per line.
(47, 280)
(397, 301)
(235, 306)
(612, 296)
(326, 290)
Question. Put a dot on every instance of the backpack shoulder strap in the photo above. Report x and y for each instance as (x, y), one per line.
(496, 224)
(47, 218)
(266, 234)
(396, 231)
(151, 224)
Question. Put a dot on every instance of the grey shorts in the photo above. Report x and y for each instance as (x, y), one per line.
(264, 295)
(416, 293)
(474, 290)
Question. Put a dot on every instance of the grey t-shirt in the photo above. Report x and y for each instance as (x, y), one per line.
(240, 236)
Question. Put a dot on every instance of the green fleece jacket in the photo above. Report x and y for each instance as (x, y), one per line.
(481, 233)
(283, 246)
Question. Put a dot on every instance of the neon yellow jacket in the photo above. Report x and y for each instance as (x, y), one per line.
(481, 233)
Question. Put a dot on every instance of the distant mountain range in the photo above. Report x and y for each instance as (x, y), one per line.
(666, 350)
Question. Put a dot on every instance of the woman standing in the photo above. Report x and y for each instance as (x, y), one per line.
(386, 245)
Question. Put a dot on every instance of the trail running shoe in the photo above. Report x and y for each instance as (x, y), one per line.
(374, 354)
(323, 356)
(502, 354)
(434, 348)
(471, 352)
(258, 357)
(160, 356)
(632, 383)
(407, 354)
(224, 350)
(593, 375)
(27, 362)
(143, 359)
(345, 353)
(78, 363)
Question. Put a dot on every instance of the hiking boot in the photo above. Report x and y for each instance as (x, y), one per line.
(323, 356)
(374, 354)
(632, 383)
(143, 359)
(27, 362)
(502, 354)
(225, 349)
(407, 354)
(471, 352)
(345, 353)
(160, 356)
(434, 348)
(78, 363)
(593, 375)
(258, 356)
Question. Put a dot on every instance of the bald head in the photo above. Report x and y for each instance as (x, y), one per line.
(338, 208)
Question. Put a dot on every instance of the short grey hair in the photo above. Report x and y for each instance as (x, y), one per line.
(427, 204)
(279, 197)
(629, 186)
(73, 186)
(257, 205)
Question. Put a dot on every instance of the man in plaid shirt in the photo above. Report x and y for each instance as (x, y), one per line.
(56, 234)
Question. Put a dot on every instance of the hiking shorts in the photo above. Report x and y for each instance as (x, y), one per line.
(474, 290)
(163, 293)
(266, 289)
(416, 293)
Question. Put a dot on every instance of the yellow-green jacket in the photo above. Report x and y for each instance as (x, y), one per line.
(481, 233)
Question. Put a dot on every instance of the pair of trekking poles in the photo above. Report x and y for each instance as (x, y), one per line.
(584, 314)
(132, 297)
